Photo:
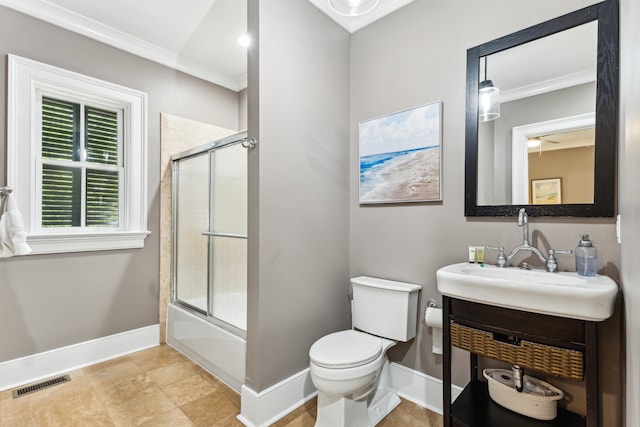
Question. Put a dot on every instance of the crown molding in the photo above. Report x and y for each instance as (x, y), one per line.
(95, 30)
(550, 85)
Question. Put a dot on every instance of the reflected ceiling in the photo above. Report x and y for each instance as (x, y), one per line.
(545, 64)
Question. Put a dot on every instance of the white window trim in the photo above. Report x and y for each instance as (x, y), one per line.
(25, 78)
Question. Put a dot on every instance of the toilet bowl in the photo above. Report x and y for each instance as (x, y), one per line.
(346, 369)
(350, 369)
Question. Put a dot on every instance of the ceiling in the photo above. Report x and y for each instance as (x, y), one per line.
(200, 39)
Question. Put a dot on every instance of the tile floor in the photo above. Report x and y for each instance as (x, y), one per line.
(156, 387)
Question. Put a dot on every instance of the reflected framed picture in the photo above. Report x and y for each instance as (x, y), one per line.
(546, 191)
(400, 156)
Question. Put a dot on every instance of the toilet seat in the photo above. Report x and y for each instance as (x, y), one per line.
(345, 349)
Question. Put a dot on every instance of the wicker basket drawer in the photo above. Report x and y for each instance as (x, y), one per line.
(540, 357)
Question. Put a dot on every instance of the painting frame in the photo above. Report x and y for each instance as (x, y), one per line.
(400, 156)
(546, 191)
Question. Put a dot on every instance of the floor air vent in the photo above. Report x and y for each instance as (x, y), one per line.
(41, 385)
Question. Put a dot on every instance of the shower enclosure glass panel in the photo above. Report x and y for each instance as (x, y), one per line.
(228, 235)
(210, 240)
(191, 248)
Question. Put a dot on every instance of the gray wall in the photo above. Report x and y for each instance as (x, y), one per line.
(299, 186)
(415, 56)
(629, 152)
(50, 301)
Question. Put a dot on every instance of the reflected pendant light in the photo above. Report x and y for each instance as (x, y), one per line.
(352, 7)
(488, 98)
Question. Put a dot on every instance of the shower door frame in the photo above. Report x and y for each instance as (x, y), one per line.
(238, 138)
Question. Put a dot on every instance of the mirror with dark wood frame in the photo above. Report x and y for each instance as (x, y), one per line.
(596, 29)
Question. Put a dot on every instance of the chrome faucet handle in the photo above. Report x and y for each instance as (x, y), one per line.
(552, 263)
(502, 258)
(555, 251)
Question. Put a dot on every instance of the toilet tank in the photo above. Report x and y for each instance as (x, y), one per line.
(385, 308)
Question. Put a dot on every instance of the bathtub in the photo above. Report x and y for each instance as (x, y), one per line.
(220, 352)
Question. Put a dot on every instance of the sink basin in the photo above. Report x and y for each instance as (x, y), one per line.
(558, 294)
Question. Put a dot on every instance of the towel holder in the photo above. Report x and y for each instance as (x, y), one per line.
(4, 191)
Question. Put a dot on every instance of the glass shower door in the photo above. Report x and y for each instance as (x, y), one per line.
(210, 233)
(191, 197)
(228, 235)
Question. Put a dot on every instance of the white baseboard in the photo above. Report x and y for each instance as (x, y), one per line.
(268, 406)
(50, 363)
(265, 408)
(419, 388)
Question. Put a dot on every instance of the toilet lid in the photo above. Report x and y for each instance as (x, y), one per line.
(345, 349)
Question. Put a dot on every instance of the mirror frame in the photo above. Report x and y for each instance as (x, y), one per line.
(606, 14)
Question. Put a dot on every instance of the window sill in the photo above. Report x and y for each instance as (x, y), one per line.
(63, 243)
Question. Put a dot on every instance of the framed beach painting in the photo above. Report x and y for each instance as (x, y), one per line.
(546, 191)
(401, 156)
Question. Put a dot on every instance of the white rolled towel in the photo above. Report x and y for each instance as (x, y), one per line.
(13, 238)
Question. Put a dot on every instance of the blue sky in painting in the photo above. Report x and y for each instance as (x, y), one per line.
(405, 130)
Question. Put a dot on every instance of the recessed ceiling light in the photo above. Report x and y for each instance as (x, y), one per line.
(244, 40)
(352, 7)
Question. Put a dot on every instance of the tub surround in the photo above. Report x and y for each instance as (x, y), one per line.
(177, 134)
(221, 353)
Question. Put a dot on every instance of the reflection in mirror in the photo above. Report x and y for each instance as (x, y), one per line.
(546, 86)
(558, 84)
(568, 156)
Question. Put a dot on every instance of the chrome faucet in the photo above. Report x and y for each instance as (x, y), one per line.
(523, 221)
(551, 263)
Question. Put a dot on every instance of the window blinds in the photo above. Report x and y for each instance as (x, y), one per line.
(80, 165)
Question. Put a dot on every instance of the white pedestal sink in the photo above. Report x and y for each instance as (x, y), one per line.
(558, 294)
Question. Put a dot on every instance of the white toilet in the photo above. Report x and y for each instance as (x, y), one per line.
(350, 369)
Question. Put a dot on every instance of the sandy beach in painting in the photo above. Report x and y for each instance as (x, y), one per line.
(401, 177)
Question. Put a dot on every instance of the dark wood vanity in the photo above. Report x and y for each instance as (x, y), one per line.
(481, 324)
(571, 344)
(574, 338)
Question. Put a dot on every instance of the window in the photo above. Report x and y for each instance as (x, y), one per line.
(76, 159)
(80, 165)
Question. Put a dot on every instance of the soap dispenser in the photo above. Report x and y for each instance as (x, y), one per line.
(586, 257)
